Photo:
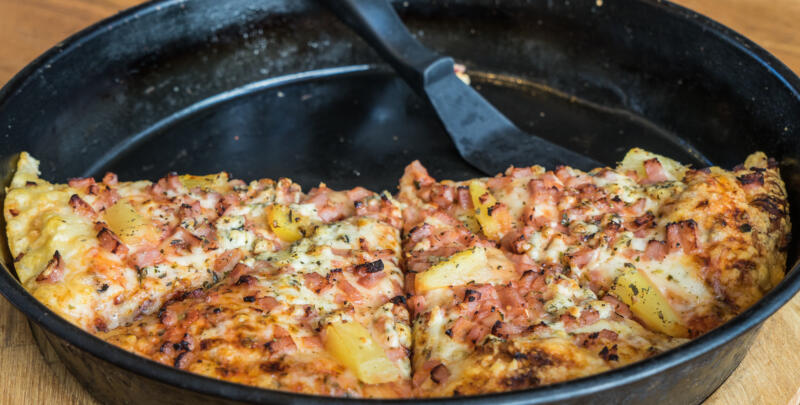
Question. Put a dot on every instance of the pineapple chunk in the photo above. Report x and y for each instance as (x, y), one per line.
(470, 222)
(478, 264)
(216, 182)
(351, 344)
(286, 223)
(647, 303)
(131, 227)
(635, 158)
(492, 217)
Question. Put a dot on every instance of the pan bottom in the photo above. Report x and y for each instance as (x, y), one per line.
(360, 125)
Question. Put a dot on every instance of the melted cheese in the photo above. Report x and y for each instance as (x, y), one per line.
(249, 306)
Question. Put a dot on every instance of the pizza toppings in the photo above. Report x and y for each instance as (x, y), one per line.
(599, 257)
(647, 303)
(53, 271)
(352, 345)
(528, 278)
(111, 242)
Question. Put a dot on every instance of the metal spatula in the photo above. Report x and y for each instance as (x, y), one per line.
(484, 137)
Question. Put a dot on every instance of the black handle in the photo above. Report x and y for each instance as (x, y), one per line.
(378, 23)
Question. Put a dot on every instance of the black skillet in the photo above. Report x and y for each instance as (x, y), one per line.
(275, 88)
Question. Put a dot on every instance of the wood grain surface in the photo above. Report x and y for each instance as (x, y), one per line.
(770, 374)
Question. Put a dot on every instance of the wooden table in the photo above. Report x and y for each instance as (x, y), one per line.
(770, 374)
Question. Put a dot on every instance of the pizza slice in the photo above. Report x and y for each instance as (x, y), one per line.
(534, 277)
(102, 253)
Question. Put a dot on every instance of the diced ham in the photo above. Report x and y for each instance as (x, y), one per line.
(528, 278)
(464, 198)
(190, 209)
(608, 334)
(315, 282)
(281, 342)
(246, 279)
(168, 316)
(397, 353)
(369, 273)
(519, 172)
(442, 195)
(588, 317)
(619, 307)
(351, 293)
(595, 338)
(312, 342)
(655, 172)
(516, 241)
(208, 236)
(174, 182)
(645, 221)
(656, 250)
(110, 242)
(590, 192)
(682, 236)
(110, 179)
(106, 197)
(81, 207)
(227, 202)
(419, 232)
(82, 183)
(146, 257)
(633, 174)
(331, 205)
(511, 301)
(160, 189)
(459, 329)
(416, 304)
(477, 333)
(498, 183)
(507, 329)
(551, 181)
(636, 209)
(183, 239)
(369, 280)
(423, 373)
(358, 193)
(581, 180)
(440, 374)
(569, 321)
(541, 193)
(54, 271)
(582, 257)
(227, 260)
(410, 281)
(240, 274)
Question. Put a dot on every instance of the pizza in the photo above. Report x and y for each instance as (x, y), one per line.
(446, 288)
(534, 277)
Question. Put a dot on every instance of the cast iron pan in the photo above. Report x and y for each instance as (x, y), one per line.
(274, 88)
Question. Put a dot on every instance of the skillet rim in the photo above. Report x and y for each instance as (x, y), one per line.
(751, 318)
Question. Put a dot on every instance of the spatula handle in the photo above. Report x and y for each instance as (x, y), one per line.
(378, 23)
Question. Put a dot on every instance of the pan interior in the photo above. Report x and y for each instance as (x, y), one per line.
(360, 126)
